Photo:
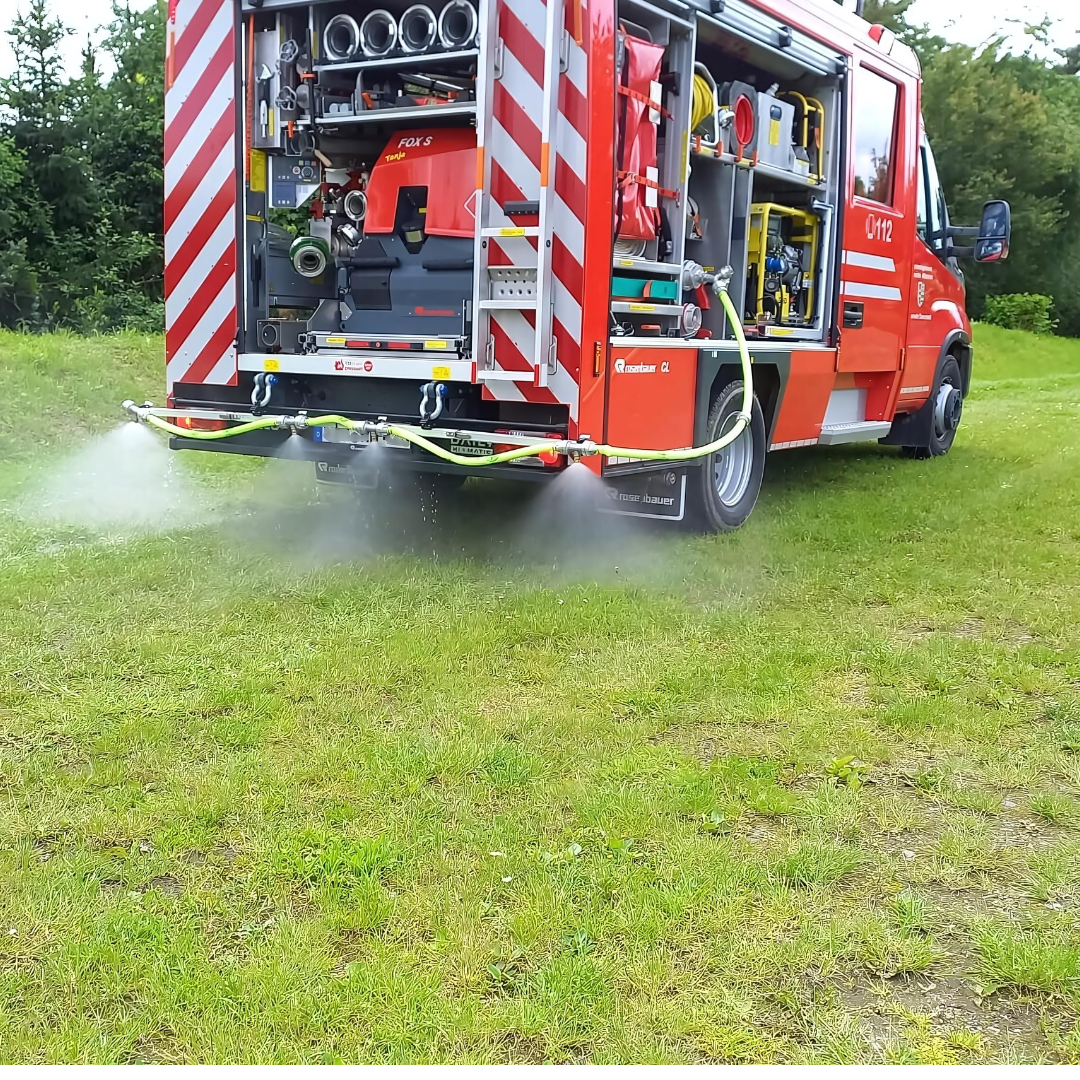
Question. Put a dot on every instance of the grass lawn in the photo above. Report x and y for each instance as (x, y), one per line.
(810, 792)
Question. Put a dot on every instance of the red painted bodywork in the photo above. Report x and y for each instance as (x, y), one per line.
(651, 397)
(893, 355)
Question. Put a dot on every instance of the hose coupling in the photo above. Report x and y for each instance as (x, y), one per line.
(745, 417)
(722, 278)
(296, 423)
(579, 448)
(139, 412)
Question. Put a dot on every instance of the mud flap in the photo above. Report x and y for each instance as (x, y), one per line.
(655, 494)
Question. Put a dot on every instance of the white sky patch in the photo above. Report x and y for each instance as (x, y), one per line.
(972, 22)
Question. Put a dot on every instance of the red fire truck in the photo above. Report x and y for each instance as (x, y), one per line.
(503, 235)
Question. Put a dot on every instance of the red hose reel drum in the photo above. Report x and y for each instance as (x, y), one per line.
(638, 209)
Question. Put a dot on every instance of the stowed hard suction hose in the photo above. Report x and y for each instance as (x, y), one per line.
(341, 38)
(573, 448)
(417, 29)
(378, 34)
(458, 24)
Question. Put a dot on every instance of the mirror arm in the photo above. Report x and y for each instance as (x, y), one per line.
(964, 231)
(961, 252)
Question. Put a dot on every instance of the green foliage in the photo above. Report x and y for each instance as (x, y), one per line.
(1005, 126)
(848, 770)
(81, 178)
(1020, 311)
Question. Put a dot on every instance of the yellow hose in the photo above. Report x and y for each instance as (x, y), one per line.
(704, 103)
(409, 434)
(690, 453)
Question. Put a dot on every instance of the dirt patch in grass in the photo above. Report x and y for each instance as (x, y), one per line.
(906, 1009)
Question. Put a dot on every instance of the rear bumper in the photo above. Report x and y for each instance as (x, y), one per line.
(272, 444)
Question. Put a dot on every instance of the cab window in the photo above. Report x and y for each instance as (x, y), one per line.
(932, 220)
(875, 111)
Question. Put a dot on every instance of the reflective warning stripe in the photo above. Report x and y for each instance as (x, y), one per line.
(200, 194)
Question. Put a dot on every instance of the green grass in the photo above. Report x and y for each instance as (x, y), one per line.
(803, 793)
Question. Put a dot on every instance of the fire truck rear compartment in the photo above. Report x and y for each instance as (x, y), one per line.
(363, 226)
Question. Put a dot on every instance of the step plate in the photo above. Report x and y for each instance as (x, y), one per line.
(861, 431)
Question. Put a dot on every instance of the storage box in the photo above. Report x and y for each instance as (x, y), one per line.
(776, 118)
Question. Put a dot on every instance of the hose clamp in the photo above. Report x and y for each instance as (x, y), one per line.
(745, 417)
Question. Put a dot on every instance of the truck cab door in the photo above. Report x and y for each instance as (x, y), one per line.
(876, 253)
(936, 300)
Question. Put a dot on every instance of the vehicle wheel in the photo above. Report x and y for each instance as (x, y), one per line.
(724, 489)
(948, 405)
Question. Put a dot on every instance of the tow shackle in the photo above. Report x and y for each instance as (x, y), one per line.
(432, 395)
(260, 393)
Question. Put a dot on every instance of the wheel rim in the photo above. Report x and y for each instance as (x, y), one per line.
(947, 408)
(733, 465)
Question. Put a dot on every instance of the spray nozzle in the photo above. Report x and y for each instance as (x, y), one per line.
(138, 412)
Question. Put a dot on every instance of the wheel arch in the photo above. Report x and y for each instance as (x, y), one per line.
(713, 378)
(914, 429)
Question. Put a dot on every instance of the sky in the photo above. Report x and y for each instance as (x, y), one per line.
(970, 21)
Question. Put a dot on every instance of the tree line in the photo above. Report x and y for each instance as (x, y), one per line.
(81, 169)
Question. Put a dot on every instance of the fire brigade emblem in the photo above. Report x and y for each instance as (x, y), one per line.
(921, 293)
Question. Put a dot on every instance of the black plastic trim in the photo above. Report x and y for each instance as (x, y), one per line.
(915, 429)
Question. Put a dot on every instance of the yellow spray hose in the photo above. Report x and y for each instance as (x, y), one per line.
(687, 454)
(690, 453)
(259, 424)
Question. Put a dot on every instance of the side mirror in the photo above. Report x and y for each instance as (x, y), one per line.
(995, 230)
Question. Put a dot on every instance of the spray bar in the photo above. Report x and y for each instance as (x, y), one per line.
(530, 447)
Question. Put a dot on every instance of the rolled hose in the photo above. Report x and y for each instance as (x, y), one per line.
(704, 103)
(742, 419)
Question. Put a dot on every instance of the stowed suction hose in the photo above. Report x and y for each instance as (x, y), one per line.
(571, 447)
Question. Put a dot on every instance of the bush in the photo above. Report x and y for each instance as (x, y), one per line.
(1020, 311)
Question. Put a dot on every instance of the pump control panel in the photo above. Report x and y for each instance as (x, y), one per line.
(293, 180)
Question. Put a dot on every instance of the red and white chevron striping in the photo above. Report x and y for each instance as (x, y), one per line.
(515, 148)
(200, 192)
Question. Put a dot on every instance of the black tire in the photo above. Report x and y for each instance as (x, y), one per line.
(948, 399)
(724, 488)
